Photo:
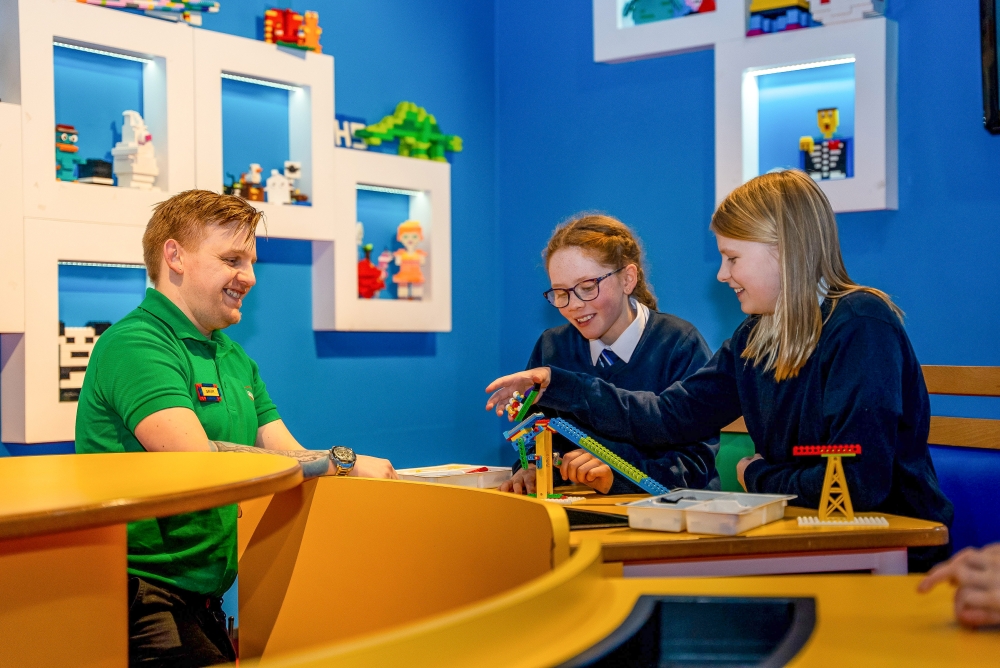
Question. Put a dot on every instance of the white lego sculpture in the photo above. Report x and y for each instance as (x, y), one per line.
(135, 157)
(829, 12)
(278, 188)
(75, 346)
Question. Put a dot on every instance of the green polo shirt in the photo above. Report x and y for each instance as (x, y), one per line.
(150, 360)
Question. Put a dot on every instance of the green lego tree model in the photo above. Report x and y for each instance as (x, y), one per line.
(417, 131)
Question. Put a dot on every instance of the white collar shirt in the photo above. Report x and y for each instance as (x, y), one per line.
(625, 345)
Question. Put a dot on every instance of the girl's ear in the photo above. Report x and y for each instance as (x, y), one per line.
(630, 277)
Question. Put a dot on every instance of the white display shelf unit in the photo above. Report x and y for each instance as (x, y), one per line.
(11, 221)
(694, 32)
(310, 123)
(872, 43)
(34, 27)
(336, 305)
(29, 385)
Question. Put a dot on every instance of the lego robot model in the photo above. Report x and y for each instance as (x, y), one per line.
(827, 158)
(135, 156)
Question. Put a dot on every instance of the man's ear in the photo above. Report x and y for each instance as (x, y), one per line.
(173, 255)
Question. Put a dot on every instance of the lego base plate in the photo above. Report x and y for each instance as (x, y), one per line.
(810, 522)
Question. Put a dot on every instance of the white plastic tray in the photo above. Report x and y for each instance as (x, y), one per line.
(700, 511)
(455, 474)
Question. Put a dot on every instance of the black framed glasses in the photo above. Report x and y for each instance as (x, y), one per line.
(585, 291)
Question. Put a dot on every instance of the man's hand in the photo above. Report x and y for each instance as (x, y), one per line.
(976, 574)
(503, 388)
(373, 467)
(741, 467)
(582, 467)
(523, 482)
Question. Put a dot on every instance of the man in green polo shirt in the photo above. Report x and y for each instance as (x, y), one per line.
(165, 378)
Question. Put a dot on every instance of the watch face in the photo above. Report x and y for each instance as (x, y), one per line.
(344, 455)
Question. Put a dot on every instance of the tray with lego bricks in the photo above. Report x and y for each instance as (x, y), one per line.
(463, 475)
(706, 512)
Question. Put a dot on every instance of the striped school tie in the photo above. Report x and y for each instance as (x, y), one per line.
(607, 358)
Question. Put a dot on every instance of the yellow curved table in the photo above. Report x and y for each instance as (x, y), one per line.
(862, 620)
(63, 578)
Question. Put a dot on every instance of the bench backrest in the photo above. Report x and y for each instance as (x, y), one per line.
(967, 381)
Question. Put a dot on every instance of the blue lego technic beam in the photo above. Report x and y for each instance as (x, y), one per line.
(576, 436)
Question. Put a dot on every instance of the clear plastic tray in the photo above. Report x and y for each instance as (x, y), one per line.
(457, 474)
(700, 511)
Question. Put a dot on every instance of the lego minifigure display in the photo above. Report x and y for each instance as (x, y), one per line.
(826, 157)
(409, 279)
(134, 156)
(66, 149)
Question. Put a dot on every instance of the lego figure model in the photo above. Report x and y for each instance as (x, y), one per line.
(286, 27)
(825, 157)
(135, 157)
(829, 12)
(66, 148)
(371, 279)
(649, 11)
(417, 131)
(384, 260)
(767, 16)
(409, 279)
(293, 170)
(250, 184)
(278, 189)
(75, 346)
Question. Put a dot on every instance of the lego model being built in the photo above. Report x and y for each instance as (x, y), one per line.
(536, 431)
(827, 157)
(75, 346)
(836, 497)
(417, 131)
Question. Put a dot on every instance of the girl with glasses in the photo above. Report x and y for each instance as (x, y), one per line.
(819, 360)
(615, 334)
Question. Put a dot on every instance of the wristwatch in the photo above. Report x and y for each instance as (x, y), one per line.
(344, 458)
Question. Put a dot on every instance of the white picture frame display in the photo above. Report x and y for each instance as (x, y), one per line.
(871, 45)
(616, 42)
(167, 54)
(336, 304)
(310, 123)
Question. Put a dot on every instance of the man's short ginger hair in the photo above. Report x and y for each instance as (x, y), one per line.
(186, 216)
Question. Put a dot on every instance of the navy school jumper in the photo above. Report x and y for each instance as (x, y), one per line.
(669, 350)
(861, 385)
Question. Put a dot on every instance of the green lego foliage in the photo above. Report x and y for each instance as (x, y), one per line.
(417, 131)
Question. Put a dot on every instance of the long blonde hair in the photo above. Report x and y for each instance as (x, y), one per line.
(788, 209)
(612, 243)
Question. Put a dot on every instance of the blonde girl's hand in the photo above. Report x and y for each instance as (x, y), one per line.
(976, 574)
(522, 482)
(503, 388)
(581, 467)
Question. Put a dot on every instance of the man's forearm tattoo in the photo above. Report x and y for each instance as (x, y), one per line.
(313, 462)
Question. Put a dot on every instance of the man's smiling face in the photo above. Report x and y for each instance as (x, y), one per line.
(218, 274)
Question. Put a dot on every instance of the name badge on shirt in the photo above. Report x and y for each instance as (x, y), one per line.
(208, 392)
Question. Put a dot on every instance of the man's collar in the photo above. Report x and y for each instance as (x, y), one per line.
(626, 343)
(160, 305)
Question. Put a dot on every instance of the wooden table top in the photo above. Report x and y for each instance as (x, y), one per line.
(52, 493)
(783, 536)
